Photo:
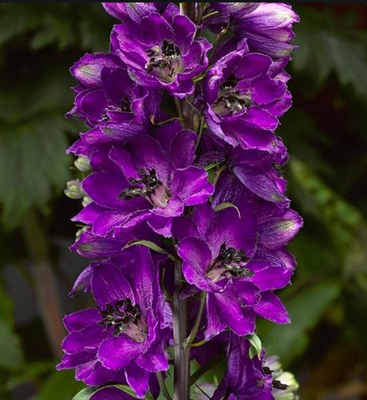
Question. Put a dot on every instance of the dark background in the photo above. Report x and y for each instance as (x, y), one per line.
(326, 135)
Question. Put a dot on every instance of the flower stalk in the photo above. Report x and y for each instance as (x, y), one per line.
(180, 331)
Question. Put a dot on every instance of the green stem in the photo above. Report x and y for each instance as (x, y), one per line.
(195, 328)
(163, 386)
(188, 9)
(200, 131)
(181, 378)
(218, 173)
(217, 42)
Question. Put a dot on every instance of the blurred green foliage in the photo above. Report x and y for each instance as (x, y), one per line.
(325, 132)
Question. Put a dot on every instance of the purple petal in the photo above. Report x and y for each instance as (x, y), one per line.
(252, 65)
(82, 282)
(144, 278)
(278, 226)
(266, 184)
(154, 359)
(271, 308)
(196, 258)
(192, 186)
(117, 352)
(86, 339)
(109, 285)
(80, 319)
(137, 378)
(104, 188)
(87, 70)
(94, 374)
(236, 232)
(111, 220)
(74, 360)
(91, 246)
(228, 309)
(182, 151)
(269, 278)
(88, 214)
(161, 225)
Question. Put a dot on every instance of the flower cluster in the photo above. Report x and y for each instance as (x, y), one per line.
(185, 214)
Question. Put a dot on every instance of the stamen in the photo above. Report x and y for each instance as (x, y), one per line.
(166, 59)
(150, 187)
(149, 179)
(279, 385)
(119, 315)
(233, 261)
(230, 100)
(229, 262)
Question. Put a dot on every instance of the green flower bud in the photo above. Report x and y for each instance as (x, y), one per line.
(74, 190)
(82, 164)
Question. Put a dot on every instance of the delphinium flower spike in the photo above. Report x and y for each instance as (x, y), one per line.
(185, 216)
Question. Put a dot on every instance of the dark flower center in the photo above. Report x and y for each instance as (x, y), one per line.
(231, 101)
(125, 104)
(165, 60)
(276, 383)
(233, 260)
(230, 263)
(149, 186)
(122, 316)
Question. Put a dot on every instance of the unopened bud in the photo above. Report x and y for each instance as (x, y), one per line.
(86, 200)
(74, 190)
(82, 164)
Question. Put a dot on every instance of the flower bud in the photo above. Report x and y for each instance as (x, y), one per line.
(86, 200)
(82, 163)
(74, 190)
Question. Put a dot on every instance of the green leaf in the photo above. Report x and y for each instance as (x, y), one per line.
(60, 385)
(30, 372)
(129, 391)
(10, 349)
(223, 206)
(339, 217)
(6, 307)
(255, 345)
(149, 244)
(32, 164)
(324, 46)
(86, 393)
(306, 309)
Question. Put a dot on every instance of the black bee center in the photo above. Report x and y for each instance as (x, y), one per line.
(125, 104)
(141, 187)
(163, 57)
(230, 100)
(119, 314)
(232, 260)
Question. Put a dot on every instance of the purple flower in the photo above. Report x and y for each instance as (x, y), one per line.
(266, 26)
(217, 249)
(135, 11)
(126, 334)
(276, 227)
(160, 54)
(156, 181)
(243, 100)
(90, 245)
(105, 92)
(245, 378)
(257, 170)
